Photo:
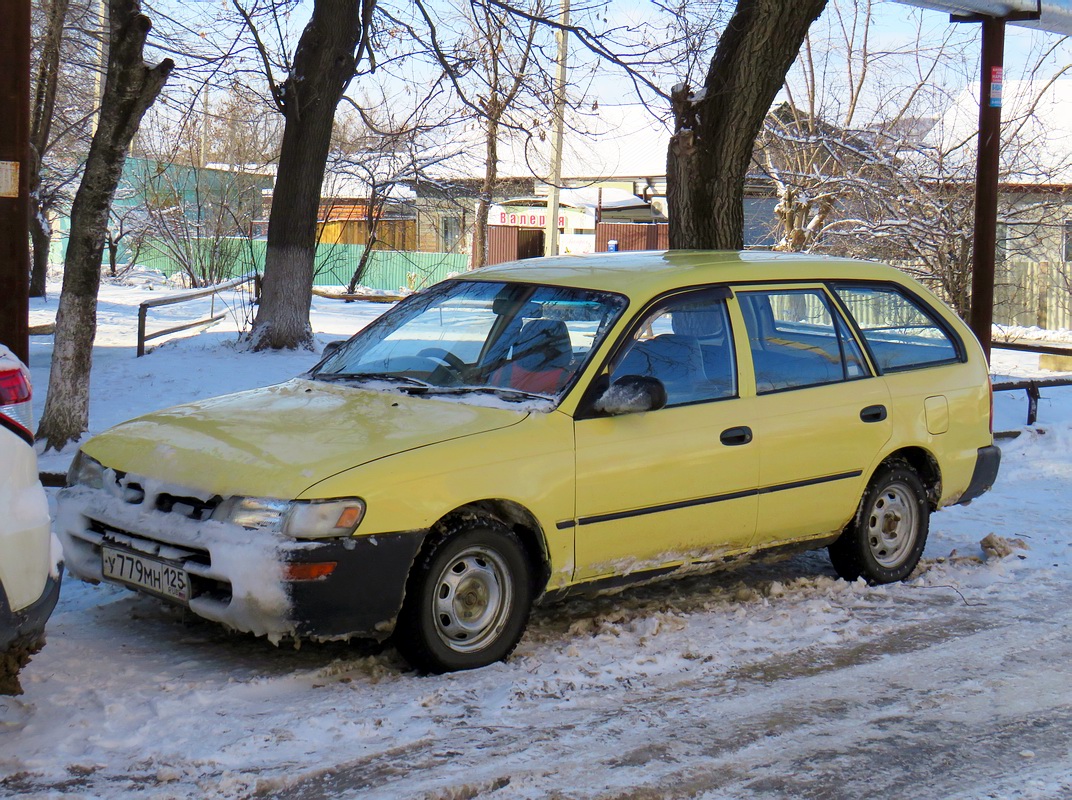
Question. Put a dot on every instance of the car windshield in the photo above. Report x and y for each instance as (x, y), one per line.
(512, 340)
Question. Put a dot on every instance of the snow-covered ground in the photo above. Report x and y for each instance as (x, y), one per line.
(773, 681)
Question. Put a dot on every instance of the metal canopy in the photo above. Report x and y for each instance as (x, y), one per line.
(1055, 16)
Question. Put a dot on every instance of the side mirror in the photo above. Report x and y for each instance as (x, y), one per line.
(631, 394)
(331, 348)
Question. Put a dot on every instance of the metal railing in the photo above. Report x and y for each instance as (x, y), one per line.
(1032, 385)
(143, 309)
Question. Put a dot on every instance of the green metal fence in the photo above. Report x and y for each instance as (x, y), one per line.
(334, 266)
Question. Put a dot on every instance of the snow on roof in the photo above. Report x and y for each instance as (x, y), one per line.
(587, 198)
(340, 184)
(612, 141)
(1036, 130)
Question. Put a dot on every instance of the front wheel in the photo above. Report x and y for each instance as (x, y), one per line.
(467, 600)
(886, 538)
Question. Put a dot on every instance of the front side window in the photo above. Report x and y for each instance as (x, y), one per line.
(797, 340)
(685, 342)
(466, 337)
(899, 331)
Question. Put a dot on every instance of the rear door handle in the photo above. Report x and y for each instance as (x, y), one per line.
(735, 436)
(873, 414)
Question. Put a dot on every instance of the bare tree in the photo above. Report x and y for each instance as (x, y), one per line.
(502, 50)
(130, 88)
(128, 227)
(920, 214)
(335, 40)
(866, 164)
(848, 104)
(62, 106)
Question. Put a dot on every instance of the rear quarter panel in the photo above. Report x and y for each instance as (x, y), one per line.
(965, 388)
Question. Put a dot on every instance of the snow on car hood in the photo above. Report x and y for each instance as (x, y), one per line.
(279, 440)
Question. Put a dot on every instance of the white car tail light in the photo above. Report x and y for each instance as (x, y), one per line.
(15, 394)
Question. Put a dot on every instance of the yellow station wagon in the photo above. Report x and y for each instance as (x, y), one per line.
(536, 428)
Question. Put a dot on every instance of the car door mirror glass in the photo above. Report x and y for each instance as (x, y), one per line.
(631, 394)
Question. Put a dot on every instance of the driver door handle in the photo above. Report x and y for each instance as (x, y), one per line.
(736, 436)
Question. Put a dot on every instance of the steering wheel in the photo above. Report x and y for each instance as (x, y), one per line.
(446, 359)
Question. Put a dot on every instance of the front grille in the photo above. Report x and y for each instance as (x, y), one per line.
(190, 507)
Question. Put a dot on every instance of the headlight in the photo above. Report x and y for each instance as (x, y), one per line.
(85, 471)
(255, 513)
(299, 519)
(316, 519)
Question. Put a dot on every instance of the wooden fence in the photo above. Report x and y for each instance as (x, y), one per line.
(1037, 293)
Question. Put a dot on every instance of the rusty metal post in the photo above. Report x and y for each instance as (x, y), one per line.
(14, 177)
(986, 182)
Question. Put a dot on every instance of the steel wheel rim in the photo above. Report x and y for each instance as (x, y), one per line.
(893, 525)
(471, 600)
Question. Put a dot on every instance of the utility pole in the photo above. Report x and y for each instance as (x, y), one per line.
(550, 237)
(14, 177)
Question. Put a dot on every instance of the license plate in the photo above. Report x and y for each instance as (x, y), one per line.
(158, 577)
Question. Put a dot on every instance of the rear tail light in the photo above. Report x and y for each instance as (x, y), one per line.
(990, 386)
(15, 394)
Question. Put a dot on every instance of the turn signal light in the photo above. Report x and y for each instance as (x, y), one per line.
(311, 571)
(349, 518)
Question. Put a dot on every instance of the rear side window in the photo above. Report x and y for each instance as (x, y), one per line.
(901, 333)
(797, 340)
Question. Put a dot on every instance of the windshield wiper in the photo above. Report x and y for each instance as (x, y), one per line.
(405, 380)
(505, 392)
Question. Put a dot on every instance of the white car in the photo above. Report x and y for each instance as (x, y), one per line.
(29, 570)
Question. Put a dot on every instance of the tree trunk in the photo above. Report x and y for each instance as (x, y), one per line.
(487, 188)
(323, 66)
(716, 128)
(44, 104)
(130, 88)
(41, 236)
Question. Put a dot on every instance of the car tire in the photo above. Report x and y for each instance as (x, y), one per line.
(468, 598)
(885, 539)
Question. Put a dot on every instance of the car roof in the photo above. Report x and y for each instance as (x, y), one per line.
(646, 273)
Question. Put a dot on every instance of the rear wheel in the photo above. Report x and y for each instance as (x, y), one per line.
(467, 600)
(886, 538)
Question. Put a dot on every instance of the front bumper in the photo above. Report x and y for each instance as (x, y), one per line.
(245, 579)
(986, 472)
(364, 593)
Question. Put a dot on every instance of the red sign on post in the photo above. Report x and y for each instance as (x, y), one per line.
(996, 75)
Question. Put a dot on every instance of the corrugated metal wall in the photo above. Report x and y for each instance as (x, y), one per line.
(335, 264)
(632, 236)
(502, 244)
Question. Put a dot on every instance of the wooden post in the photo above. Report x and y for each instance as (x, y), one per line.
(14, 177)
(986, 180)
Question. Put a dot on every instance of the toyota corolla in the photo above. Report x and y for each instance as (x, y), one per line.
(528, 430)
